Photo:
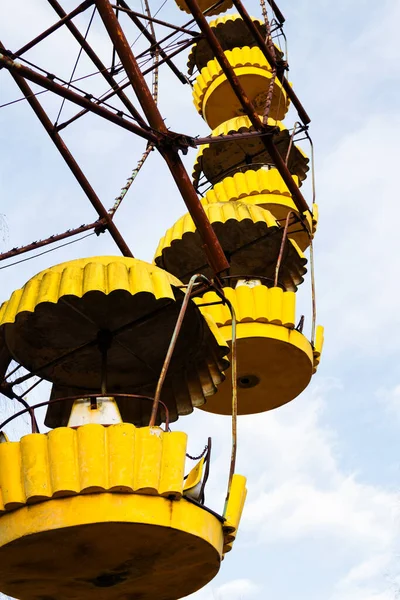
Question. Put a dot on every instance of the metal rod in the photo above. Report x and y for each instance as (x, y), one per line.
(277, 12)
(286, 175)
(281, 249)
(171, 348)
(98, 63)
(265, 50)
(65, 19)
(153, 19)
(122, 87)
(212, 247)
(151, 39)
(71, 162)
(53, 238)
(20, 70)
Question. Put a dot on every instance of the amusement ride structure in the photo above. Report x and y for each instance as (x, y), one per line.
(103, 504)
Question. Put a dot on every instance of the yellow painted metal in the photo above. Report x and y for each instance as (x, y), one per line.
(65, 307)
(231, 32)
(274, 361)
(89, 459)
(259, 304)
(266, 189)
(98, 513)
(109, 547)
(234, 508)
(222, 159)
(195, 476)
(214, 98)
(249, 235)
(205, 4)
(318, 345)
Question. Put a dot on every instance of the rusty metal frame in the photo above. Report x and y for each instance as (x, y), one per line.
(212, 247)
(155, 132)
(99, 225)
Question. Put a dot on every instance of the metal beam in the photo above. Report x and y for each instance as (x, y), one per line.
(101, 224)
(98, 63)
(48, 83)
(212, 247)
(65, 19)
(152, 40)
(71, 162)
(124, 85)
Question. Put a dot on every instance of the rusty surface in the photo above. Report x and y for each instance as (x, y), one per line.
(277, 12)
(280, 255)
(148, 35)
(171, 348)
(71, 162)
(98, 63)
(213, 250)
(48, 83)
(112, 93)
(284, 172)
(123, 6)
(100, 224)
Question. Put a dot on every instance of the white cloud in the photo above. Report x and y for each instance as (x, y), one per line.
(237, 589)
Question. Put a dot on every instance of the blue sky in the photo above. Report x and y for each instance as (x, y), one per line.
(321, 520)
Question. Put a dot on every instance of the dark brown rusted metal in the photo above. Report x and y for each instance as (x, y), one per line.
(142, 28)
(212, 247)
(281, 249)
(65, 19)
(71, 162)
(267, 53)
(123, 86)
(286, 175)
(48, 83)
(126, 9)
(277, 12)
(98, 63)
(100, 224)
(171, 348)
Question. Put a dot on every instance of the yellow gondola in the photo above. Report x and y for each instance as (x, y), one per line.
(215, 100)
(249, 235)
(63, 320)
(99, 513)
(231, 32)
(266, 188)
(205, 5)
(221, 159)
(275, 362)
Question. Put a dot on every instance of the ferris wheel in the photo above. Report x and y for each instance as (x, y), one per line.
(103, 505)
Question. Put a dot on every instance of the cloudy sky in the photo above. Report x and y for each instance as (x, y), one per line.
(322, 519)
